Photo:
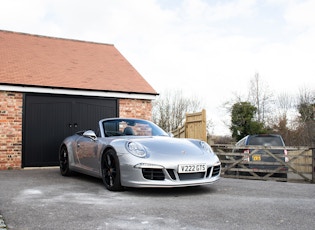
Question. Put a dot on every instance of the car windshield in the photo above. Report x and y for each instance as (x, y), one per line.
(265, 140)
(134, 127)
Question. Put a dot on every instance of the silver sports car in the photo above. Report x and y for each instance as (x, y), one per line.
(137, 153)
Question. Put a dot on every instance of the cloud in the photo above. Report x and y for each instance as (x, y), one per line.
(301, 14)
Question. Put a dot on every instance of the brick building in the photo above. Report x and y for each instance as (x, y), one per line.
(52, 87)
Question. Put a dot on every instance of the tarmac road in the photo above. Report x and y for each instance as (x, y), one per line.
(43, 199)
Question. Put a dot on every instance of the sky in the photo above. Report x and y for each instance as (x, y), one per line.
(208, 49)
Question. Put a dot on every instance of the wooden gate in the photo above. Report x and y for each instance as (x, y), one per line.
(195, 127)
(297, 165)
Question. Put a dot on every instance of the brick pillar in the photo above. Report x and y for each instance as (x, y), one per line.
(11, 105)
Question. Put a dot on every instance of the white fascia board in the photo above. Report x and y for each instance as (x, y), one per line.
(29, 89)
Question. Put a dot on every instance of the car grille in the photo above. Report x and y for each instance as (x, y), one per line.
(191, 176)
(216, 170)
(153, 174)
(158, 174)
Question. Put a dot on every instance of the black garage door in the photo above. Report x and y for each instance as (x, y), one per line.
(49, 119)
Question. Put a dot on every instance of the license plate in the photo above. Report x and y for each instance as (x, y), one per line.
(192, 168)
(256, 158)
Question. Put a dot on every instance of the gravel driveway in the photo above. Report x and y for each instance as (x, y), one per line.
(43, 199)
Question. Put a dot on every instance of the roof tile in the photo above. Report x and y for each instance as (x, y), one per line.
(41, 61)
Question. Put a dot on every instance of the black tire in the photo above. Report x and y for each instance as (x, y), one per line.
(64, 161)
(111, 171)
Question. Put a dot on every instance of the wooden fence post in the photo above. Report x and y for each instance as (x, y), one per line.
(313, 145)
(313, 164)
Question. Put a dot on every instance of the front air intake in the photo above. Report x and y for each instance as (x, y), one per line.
(153, 174)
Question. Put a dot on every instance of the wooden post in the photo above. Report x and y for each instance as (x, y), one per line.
(313, 164)
(313, 145)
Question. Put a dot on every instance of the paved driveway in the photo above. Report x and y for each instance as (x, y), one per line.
(42, 199)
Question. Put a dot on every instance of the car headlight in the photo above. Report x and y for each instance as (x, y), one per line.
(136, 149)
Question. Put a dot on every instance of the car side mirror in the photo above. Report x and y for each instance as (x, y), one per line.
(90, 134)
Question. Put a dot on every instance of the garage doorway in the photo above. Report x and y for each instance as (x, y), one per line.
(48, 119)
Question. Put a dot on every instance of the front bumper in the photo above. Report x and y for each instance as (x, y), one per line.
(167, 177)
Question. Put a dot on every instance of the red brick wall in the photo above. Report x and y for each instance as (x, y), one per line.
(135, 108)
(10, 130)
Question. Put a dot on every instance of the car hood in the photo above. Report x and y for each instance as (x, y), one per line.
(171, 146)
(164, 150)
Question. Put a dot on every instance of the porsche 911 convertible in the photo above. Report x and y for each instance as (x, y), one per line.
(138, 153)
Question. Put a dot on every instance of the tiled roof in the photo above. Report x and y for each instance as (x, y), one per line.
(31, 60)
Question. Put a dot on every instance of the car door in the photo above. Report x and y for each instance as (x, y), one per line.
(87, 154)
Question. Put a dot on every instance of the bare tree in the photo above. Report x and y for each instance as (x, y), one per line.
(305, 107)
(306, 101)
(210, 127)
(278, 114)
(170, 108)
(279, 121)
(284, 103)
(260, 96)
